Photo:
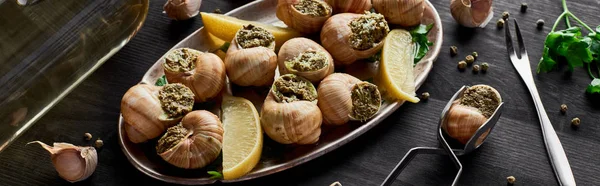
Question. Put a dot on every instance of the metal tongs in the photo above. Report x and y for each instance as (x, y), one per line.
(473, 143)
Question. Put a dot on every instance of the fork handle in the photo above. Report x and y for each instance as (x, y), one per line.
(556, 153)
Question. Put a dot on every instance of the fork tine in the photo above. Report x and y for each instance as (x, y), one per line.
(509, 46)
(520, 39)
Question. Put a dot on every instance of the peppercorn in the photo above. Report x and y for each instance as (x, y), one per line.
(475, 69)
(563, 108)
(575, 122)
(511, 180)
(217, 11)
(505, 15)
(540, 23)
(500, 23)
(462, 65)
(99, 143)
(453, 50)
(469, 59)
(484, 67)
(475, 55)
(87, 136)
(523, 7)
(425, 96)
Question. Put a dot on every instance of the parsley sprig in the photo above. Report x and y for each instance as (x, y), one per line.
(570, 44)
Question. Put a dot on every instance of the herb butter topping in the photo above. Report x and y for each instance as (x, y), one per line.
(251, 36)
(173, 136)
(314, 8)
(176, 99)
(483, 98)
(181, 60)
(366, 100)
(289, 88)
(308, 61)
(367, 31)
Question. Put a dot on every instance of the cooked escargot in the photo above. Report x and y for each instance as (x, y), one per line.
(251, 59)
(203, 73)
(305, 58)
(349, 37)
(306, 16)
(476, 105)
(343, 97)
(149, 110)
(350, 6)
(401, 12)
(194, 143)
(290, 113)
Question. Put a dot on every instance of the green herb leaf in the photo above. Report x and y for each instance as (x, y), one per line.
(594, 87)
(224, 47)
(567, 43)
(422, 43)
(375, 57)
(215, 175)
(162, 81)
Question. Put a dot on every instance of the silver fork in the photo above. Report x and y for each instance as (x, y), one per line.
(556, 153)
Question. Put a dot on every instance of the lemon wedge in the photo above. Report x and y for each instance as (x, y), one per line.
(395, 75)
(243, 137)
(225, 27)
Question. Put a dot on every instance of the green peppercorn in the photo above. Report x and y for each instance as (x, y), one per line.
(87, 136)
(563, 108)
(500, 23)
(469, 59)
(453, 50)
(505, 15)
(462, 65)
(425, 96)
(511, 180)
(475, 69)
(484, 67)
(540, 23)
(523, 7)
(575, 122)
(99, 143)
(475, 55)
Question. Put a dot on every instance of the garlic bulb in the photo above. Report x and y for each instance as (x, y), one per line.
(350, 6)
(472, 13)
(196, 70)
(306, 16)
(343, 97)
(476, 105)
(149, 110)
(251, 59)
(349, 37)
(401, 12)
(290, 114)
(194, 143)
(73, 163)
(305, 58)
(182, 9)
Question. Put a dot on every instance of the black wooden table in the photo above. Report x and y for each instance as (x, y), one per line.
(514, 148)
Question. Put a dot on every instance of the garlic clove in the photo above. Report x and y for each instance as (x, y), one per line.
(350, 6)
(73, 163)
(196, 70)
(401, 12)
(182, 9)
(472, 13)
(194, 143)
(305, 58)
(308, 18)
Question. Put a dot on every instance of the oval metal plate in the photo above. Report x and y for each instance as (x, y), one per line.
(275, 157)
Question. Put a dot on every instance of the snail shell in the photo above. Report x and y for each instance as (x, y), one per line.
(350, 6)
(294, 50)
(291, 121)
(307, 22)
(401, 12)
(203, 73)
(143, 112)
(472, 13)
(339, 99)
(73, 163)
(336, 35)
(253, 66)
(194, 143)
(182, 9)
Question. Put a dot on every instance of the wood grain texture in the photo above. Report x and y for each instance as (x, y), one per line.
(514, 148)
